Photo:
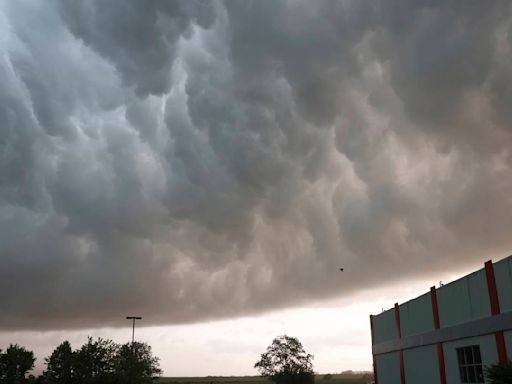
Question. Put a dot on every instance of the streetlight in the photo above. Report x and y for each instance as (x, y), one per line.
(133, 318)
(133, 328)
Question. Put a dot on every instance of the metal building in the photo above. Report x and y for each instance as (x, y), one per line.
(448, 335)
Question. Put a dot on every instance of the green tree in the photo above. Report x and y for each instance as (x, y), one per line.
(136, 364)
(59, 366)
(286, 362)
(94, 362)
(15, 363)
(500, 373)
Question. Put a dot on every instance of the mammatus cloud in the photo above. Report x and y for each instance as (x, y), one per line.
(189, 160)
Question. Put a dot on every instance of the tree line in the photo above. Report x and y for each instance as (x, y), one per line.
(98, 361)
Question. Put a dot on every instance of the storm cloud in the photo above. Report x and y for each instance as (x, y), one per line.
(192, 160)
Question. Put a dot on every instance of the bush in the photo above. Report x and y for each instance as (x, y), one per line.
(500, 373)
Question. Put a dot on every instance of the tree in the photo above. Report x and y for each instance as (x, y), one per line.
(500, 373)
(135, 363)
(15, 363)
(286, 362)
(59, 366)
(94, 362)
(101, 362)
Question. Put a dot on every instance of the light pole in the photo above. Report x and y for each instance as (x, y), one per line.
(133, 327)
(133, 318)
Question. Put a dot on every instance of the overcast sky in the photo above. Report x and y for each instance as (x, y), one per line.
(195, 161)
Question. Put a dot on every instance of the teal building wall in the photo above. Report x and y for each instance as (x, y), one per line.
(416, 316)
(384, 326)
(487, 345)
(464, 300)
(503, 274)
(461, 301)
(421, 365)
(388, 367)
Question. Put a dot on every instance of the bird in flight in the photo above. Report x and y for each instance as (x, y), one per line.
(341, 269)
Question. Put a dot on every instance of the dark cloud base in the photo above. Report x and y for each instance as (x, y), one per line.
(191, 160)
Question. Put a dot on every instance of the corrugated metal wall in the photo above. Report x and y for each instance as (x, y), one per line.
(487, 349)
(464, 300)
(416, 316)
(503, 274)
(460, 301)
(384, 327)
(421, 365)
(388, 368)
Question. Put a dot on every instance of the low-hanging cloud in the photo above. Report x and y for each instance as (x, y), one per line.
(191, 160)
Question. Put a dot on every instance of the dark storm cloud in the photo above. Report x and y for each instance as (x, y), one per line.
(139, 39)
(191, 160)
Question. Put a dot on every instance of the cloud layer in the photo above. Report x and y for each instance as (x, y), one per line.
(191, 160)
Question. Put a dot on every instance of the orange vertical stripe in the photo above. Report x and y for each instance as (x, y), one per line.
(495, 310)
(435, 308)
(500, 346)
(437, 325)
(373, 355)
(491, 287)
(397, 321)
(399, 333)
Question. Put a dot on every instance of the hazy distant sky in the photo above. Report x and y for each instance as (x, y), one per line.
(191, 161)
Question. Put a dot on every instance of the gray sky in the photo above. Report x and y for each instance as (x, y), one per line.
(201, 160)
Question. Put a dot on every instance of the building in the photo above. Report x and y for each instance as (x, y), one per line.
(448, 335)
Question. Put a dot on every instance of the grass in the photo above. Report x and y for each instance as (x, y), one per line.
(320, 379)
(214, 380)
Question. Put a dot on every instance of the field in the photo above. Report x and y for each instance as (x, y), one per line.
(321, 379)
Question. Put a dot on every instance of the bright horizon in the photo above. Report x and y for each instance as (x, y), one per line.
(340, 339)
